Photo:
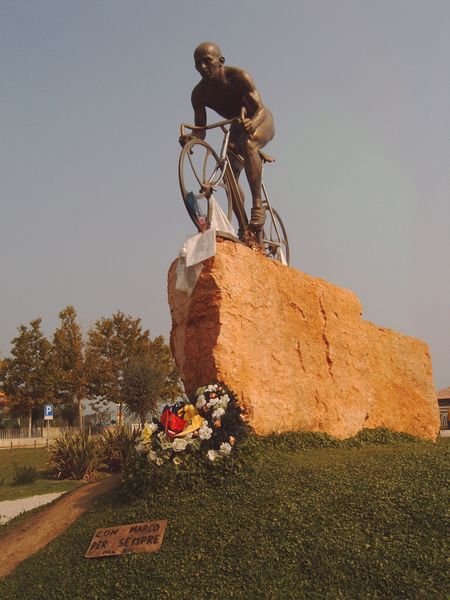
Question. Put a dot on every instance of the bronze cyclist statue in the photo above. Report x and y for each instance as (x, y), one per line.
(226, 90)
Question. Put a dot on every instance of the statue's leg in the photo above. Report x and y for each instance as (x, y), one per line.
(253, 167)
(236, 167)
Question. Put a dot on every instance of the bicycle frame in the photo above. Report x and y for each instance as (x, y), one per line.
(223, 165)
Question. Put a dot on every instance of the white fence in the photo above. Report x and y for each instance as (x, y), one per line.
(24, 443)
(19, 433)
(40, 436)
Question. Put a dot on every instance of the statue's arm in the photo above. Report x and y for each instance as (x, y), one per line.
(199, 114)
(251, 100)
(199, 119)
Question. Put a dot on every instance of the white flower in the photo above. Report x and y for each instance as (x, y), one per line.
(211, 388)
(219, 412)
(225, 449)
(213, 402)
(205, 432)
(222, 404)
(164, 442)
(201, 401)
(179, 444)
(212, 455)
(151, 427)
(159, 461)
(152, 455)
(225, 399)
(140, 447)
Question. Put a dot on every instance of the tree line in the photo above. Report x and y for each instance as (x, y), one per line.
(117, 362)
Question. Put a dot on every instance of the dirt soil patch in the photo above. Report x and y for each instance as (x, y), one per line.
(37, 531)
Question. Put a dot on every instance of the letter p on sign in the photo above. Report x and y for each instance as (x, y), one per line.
(48, 412)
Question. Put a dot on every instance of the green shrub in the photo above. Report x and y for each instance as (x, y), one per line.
(24, 475)
(378, 436)
(76, 456)
(306, 440)
(142, 476)
(119, 446)
(299, 440)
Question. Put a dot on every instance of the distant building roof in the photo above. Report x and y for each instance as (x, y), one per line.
(444, 394)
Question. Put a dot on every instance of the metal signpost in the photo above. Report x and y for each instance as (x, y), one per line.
(48, 416)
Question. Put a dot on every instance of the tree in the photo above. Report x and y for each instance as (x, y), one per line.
(150, 379)
(68, 353)
(116, 348)
(69, 412)
(111, 343)
(161, 357)
(28, 376)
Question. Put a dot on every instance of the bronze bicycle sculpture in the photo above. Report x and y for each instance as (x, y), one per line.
(232, 94)
(205, 176)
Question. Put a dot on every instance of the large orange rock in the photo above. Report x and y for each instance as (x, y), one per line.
(296, 351)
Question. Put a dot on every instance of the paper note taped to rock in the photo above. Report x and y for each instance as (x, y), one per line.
(127, 539)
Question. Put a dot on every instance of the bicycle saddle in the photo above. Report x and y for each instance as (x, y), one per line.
(266, 157)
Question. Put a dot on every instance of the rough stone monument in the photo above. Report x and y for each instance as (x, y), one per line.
(296, 351)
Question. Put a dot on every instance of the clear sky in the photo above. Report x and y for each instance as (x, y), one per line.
(91, 98)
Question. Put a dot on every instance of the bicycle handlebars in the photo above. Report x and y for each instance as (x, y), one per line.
(222, 124)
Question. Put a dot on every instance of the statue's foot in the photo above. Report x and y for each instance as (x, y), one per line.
(257, 219)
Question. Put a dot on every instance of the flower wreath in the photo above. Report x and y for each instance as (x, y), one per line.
(210, 426)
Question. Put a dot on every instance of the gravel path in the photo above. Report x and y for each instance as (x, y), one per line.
(11, 508)
(37, 531)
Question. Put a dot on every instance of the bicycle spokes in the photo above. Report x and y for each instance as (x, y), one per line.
(202, 174)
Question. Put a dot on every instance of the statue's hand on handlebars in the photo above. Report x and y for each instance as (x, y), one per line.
(184, 139)
(247, 124)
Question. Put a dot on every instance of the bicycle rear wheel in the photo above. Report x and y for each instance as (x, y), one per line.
(201, 174)
(274, 237)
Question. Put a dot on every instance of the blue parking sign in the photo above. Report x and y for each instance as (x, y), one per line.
(48, 412)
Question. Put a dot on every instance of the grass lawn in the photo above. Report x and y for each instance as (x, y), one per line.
(316, 523)
(32, 457)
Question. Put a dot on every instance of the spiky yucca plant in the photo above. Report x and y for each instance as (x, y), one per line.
(119, 445)
(76, 456)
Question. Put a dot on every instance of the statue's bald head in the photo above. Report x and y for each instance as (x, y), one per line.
(208, 60)
(208, 48)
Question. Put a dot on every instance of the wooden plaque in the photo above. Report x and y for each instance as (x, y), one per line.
(127, 539)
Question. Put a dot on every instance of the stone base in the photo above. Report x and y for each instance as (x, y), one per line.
(296, 352)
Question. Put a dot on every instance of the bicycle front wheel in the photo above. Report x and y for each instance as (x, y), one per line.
(275, 240)
(201, 174)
